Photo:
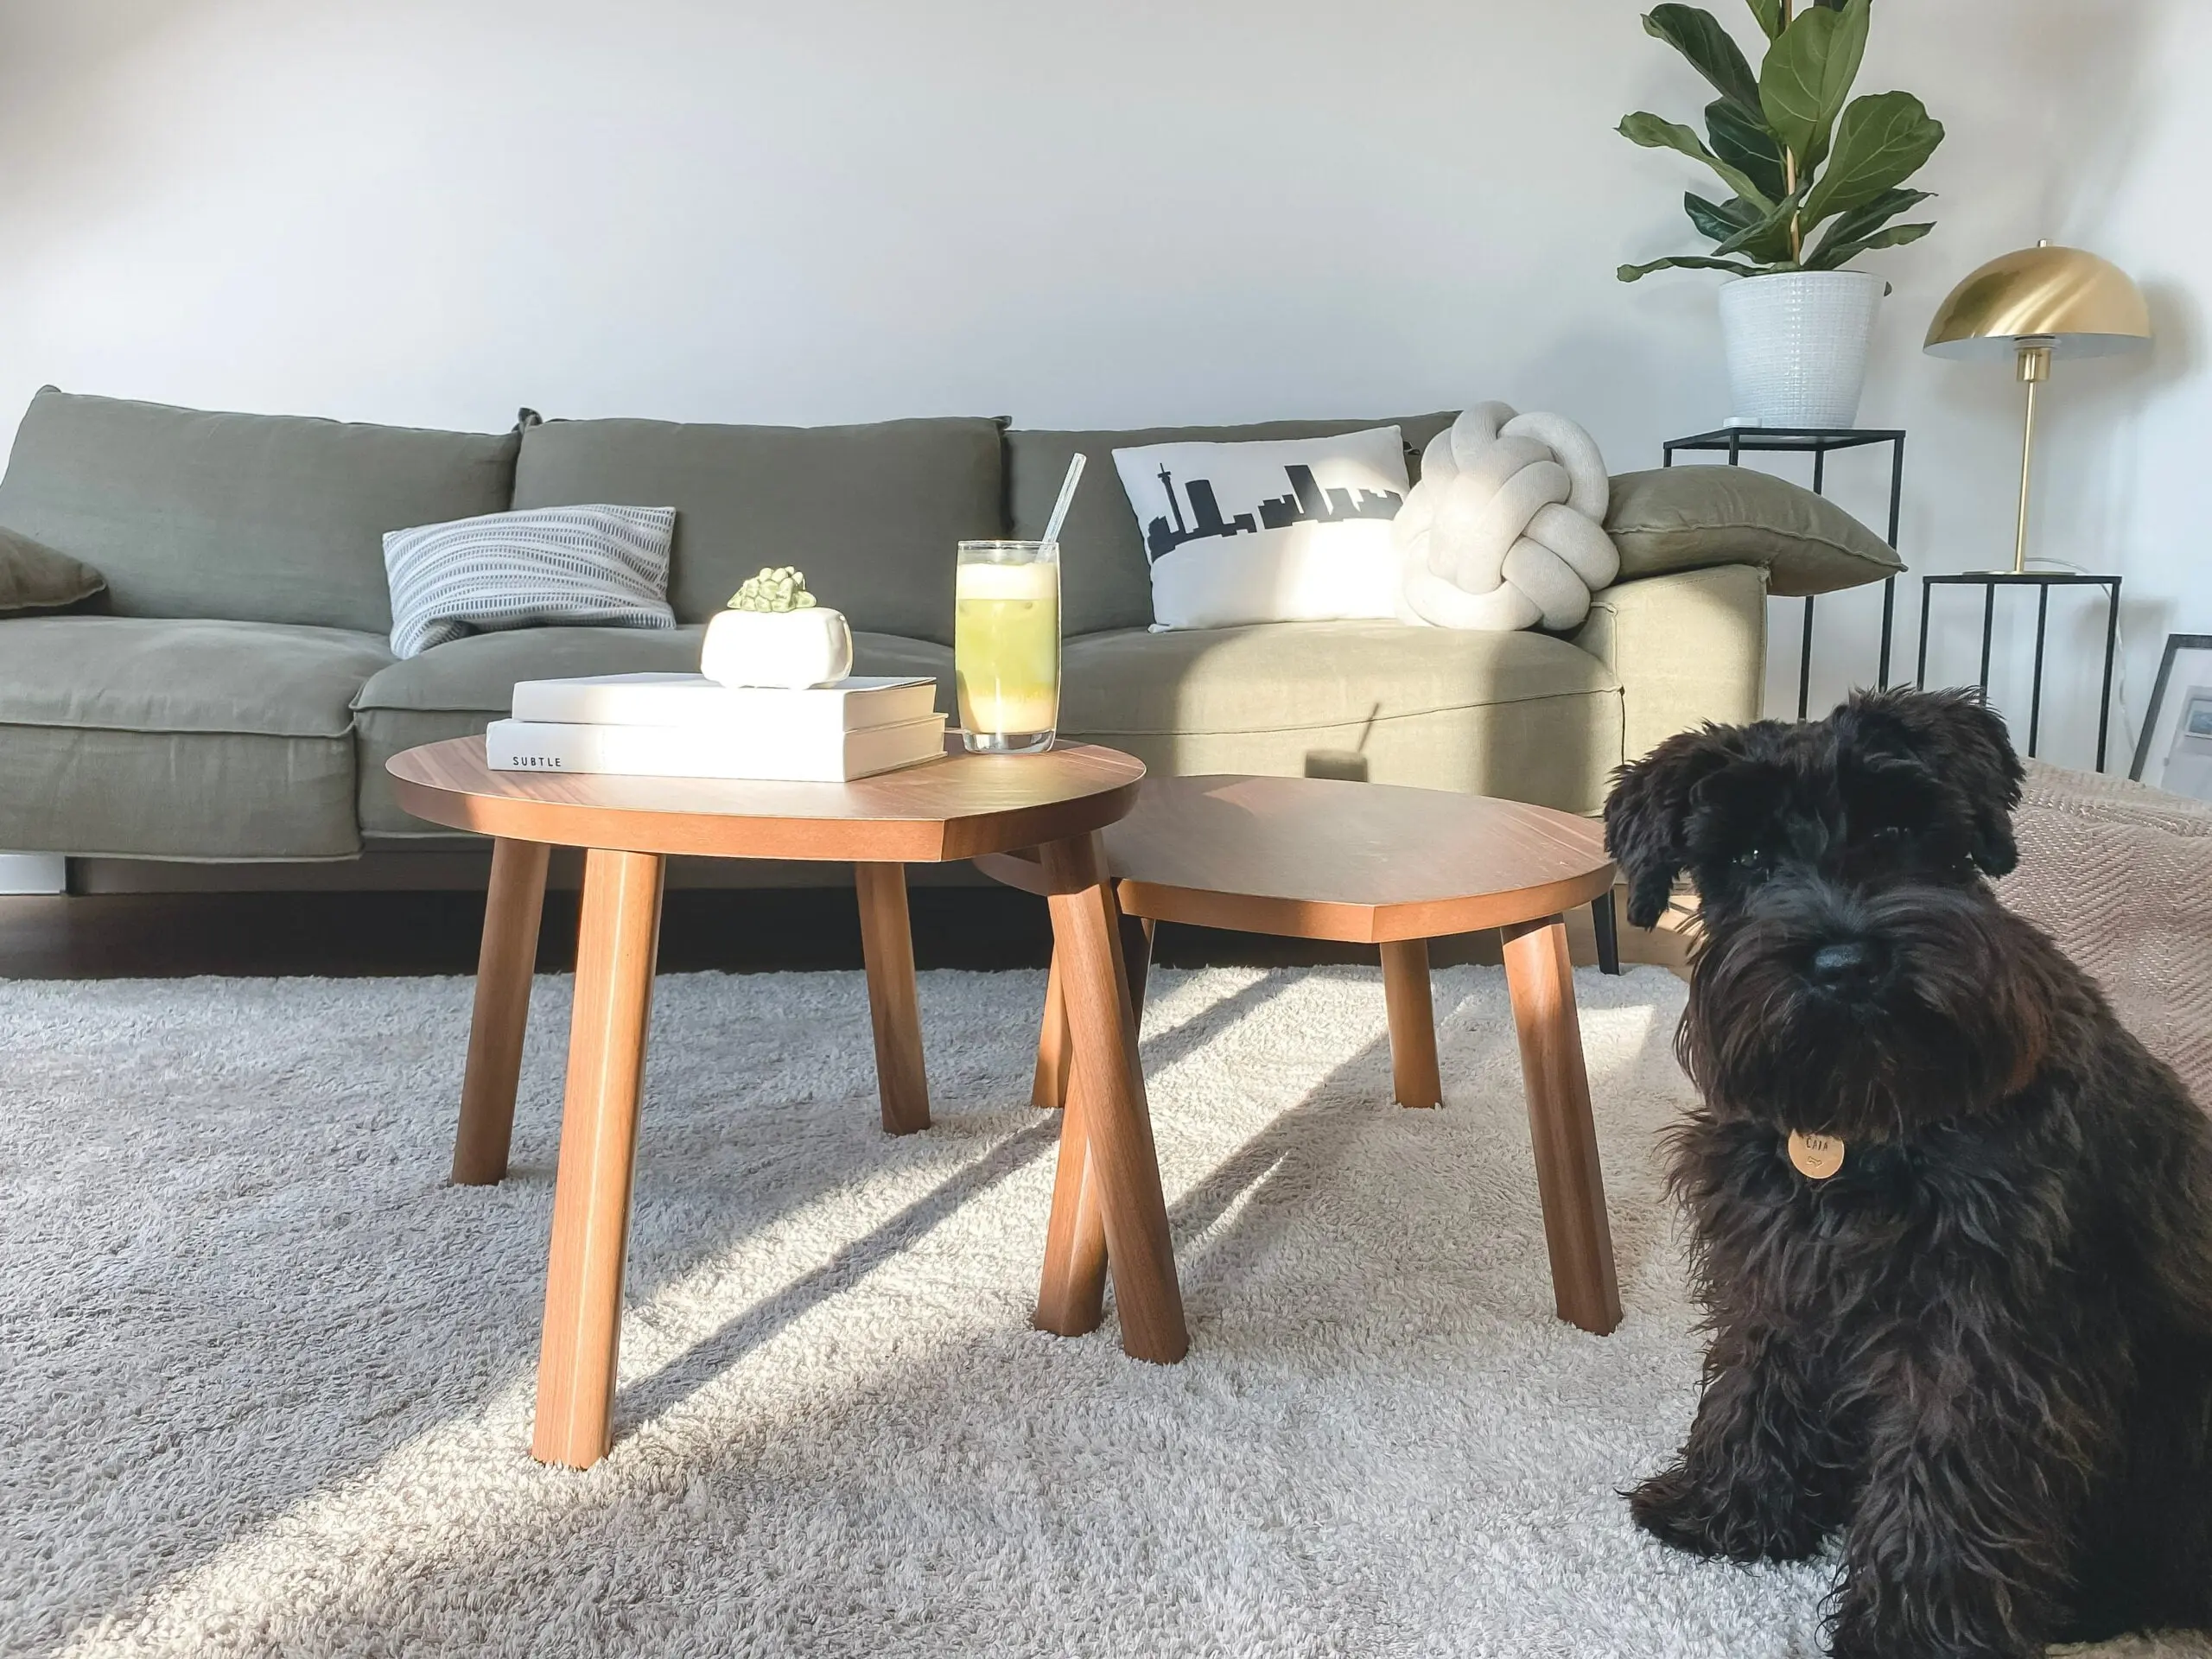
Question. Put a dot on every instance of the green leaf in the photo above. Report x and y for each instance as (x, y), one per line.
(1713, 52)
(1767, 241)
(1834, 257)
(1656, 132)
(1863, 222)
(1687, 262)
(1746, 145)
(1768, 12)
(1882, 141)
(1721, 220)
(1808, 76)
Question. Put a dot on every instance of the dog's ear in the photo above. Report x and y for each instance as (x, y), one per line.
(1649, 811)
(1963, 741)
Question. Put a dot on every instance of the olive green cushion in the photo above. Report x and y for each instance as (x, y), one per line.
(457, 690)
(1105, 579)
(34, 577)
(873, 514)
(1520, 714)
(194, 738)
(253, 518)
(1688, 517)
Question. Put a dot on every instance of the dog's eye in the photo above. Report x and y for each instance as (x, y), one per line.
(1891, 835)
(1751, 858)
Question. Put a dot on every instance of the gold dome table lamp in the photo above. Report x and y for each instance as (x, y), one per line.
(2034, 307)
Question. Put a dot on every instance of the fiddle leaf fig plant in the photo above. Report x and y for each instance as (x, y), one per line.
(1814, 177)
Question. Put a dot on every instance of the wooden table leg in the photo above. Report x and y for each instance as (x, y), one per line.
(1048, 1088)
(615, 947)
(1413, 1023)
(1541, 981)
(1107, 1155)
(1073, 1297)
(505, 963)
(887, 948)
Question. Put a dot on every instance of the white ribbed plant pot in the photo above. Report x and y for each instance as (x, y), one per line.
(1797, 344)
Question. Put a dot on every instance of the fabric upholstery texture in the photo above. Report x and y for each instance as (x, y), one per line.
(1522, 714)
(457, 690)
(1685, 648)
(34, 577)
(2122, 876)
(873, 514)
(1106, 581)
(249, 517)
(1685, 517)
(180, 739)
(594, 565)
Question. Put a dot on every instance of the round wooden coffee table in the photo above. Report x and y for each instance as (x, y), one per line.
(1052, 804)
(1364, 863)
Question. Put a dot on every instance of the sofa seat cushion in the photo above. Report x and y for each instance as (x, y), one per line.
(194, 739)
(1524, 716)
(458, 689)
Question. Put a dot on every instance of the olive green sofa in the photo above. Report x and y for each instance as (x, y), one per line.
(232, 697)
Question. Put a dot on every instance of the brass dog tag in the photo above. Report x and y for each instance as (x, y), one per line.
(1817, 1156)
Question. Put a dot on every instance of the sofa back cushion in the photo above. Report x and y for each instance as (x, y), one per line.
(1105, 579)
(244, 517)
(873, 514)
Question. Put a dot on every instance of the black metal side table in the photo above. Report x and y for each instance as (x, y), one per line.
(1820, 443)
(2042, 580)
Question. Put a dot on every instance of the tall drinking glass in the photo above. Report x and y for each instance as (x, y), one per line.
(1006, 646)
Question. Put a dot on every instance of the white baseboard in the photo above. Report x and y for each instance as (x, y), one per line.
(34, 873)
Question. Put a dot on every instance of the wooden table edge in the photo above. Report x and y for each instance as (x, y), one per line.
(1340, 923)
(918, 839)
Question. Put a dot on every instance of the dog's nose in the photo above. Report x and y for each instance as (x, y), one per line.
(1842, 962)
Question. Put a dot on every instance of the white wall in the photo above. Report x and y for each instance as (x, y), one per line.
(403, 210)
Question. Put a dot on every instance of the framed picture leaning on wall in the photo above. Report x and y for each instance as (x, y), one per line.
(2176, 753)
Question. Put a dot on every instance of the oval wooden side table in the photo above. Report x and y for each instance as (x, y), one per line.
(1315, 858)
(1054, 805)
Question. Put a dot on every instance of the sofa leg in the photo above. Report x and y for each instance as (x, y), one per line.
(505, 964)
(1607, 928)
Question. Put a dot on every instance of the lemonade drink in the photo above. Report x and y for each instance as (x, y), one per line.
(1006, 646)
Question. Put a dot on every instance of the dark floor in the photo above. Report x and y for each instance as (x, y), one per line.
(345, 934)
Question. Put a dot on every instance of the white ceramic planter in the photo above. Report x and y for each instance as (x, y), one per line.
(1797, 344)
(780, 648)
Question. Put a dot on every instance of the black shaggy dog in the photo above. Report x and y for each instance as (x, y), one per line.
(1979, 1349)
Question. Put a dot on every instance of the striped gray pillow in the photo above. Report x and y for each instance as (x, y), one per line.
(601, 566)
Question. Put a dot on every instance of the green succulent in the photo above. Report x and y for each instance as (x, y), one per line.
(777, 588)
(1793, 153)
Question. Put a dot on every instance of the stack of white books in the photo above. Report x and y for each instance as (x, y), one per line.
(688, 725)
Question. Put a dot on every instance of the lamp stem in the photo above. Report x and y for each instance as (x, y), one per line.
(2035, 369)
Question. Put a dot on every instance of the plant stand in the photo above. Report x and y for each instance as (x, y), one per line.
(1820, 443)
(2043, 582)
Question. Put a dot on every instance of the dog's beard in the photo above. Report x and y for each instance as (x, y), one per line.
(1946, 1028)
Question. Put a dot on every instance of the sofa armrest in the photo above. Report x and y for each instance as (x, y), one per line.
(1686, 648)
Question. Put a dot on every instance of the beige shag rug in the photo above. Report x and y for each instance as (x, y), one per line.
(265, 1379)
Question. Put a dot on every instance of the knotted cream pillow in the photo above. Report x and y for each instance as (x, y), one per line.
(1506, 528)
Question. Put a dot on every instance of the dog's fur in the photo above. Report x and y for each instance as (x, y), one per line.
(1980, 1356)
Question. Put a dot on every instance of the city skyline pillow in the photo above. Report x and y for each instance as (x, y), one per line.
(1293, 529)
